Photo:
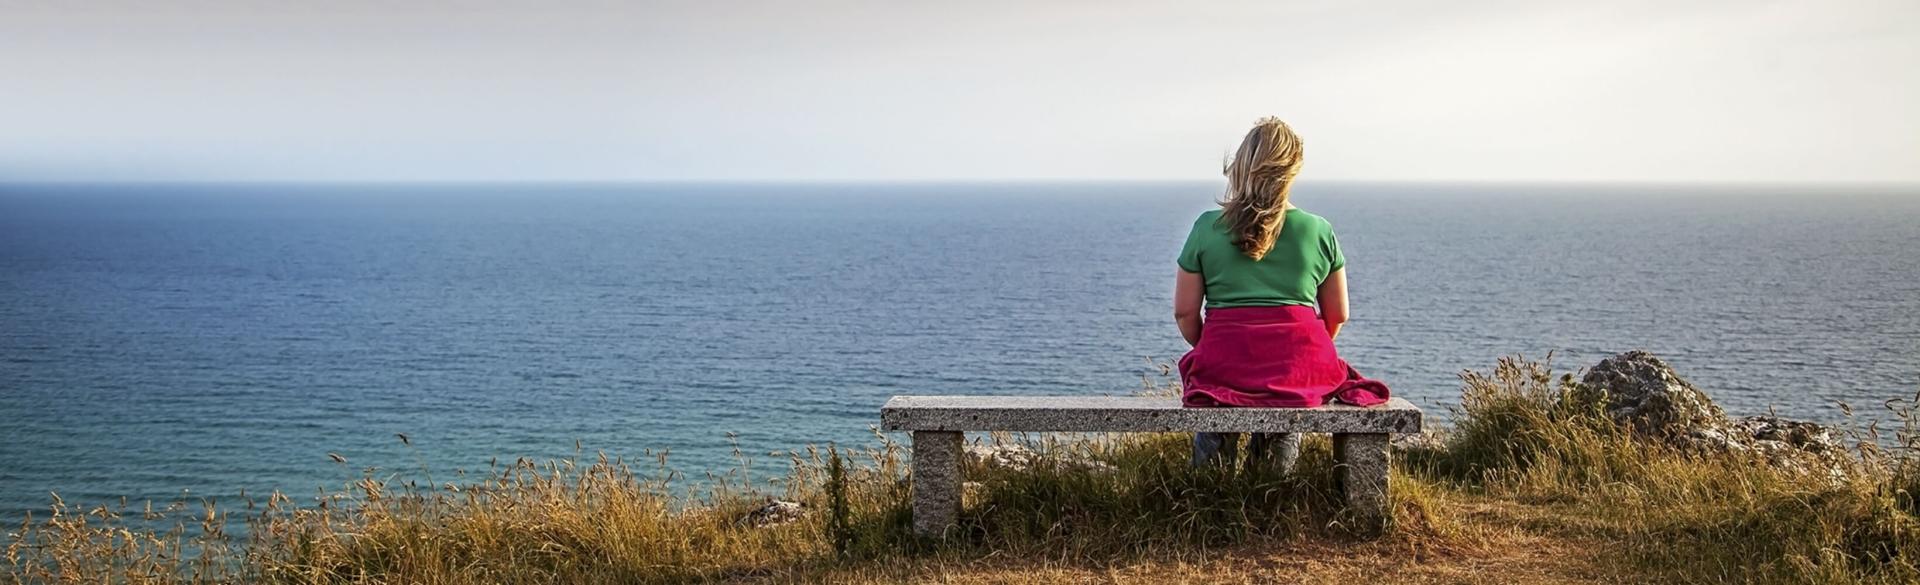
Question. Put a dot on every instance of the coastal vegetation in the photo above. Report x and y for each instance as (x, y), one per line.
(1537, 479)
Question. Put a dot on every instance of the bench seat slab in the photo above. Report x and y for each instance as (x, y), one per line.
(1095, 414)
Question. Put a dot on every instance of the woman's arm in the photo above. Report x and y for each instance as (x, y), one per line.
(1188, 291)
(1333, 301)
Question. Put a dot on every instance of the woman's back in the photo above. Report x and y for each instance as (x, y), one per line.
(1304, 253)
(1261, 292)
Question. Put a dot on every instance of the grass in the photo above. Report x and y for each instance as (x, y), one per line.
(1531, 485)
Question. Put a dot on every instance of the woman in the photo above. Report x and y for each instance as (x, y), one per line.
(1261, 266)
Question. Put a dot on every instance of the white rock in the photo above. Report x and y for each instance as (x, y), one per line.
(774, 513)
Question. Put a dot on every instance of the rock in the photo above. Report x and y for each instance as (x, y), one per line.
(1801, 435)
(972, 491)
(1428, 440)
(1644, 393)
(774, 513)
(1011, 457)
(1792, 444)
(1638, 390)
(1016, 457)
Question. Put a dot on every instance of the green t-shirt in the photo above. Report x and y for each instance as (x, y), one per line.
(1303, 255)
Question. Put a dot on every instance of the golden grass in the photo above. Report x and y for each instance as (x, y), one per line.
(1530, 487)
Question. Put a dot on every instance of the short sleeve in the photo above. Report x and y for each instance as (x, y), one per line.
(1335, 260)
(1190, 253)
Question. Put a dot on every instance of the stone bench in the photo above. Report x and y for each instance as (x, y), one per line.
(938, 424)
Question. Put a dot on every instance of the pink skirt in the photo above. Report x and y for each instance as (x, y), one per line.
(1270, 357)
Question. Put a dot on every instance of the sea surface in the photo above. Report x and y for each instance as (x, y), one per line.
(160, 341)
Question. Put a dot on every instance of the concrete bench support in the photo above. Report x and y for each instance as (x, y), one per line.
(936, 480)
(1362, 463)
(938, 423)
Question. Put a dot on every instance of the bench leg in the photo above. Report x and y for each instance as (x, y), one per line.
(1362, 468)
(936, 481)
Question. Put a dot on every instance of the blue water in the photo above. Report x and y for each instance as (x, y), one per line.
(161, 340)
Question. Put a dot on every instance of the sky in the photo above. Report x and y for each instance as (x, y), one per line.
(1402, 90)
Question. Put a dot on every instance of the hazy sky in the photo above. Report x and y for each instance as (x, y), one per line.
(769, 90)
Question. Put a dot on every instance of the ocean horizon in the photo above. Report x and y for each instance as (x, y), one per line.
(168, 339)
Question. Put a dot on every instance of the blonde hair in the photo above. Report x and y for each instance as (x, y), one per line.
(1259, 177)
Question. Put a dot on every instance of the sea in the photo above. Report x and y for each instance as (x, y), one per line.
(197, 341)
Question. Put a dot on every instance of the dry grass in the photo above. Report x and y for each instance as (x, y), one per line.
(1531, 487)
(1527, 436)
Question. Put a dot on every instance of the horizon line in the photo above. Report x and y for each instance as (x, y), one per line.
(944, 181)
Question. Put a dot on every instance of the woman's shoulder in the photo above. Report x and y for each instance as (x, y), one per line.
(1304, 217)
(1207, 218)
